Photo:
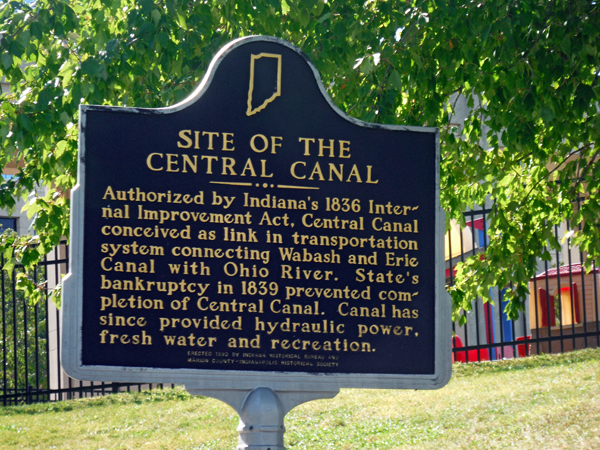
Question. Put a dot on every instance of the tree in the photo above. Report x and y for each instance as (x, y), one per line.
(533, 65)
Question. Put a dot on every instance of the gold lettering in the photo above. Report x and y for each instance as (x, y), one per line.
(149, 162)
(185, 135)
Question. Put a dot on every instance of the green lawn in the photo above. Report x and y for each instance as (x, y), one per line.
(543, 402)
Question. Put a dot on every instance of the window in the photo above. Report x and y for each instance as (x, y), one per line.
(7, 223)
(559, 309)
(569, 305)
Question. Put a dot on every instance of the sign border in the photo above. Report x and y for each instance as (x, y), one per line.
(72, 308)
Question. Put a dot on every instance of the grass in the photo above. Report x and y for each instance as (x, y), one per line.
(541, 402)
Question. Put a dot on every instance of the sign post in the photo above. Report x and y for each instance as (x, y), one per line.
(256, 244)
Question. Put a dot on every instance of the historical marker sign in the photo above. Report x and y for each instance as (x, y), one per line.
(255, 235)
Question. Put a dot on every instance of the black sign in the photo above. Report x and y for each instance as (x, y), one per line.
(255, 227)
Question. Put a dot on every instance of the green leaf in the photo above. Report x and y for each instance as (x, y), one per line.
(181, 20)
(417, 59)
(485, 32)
(585, 93)
(66, 72)
(7, 60)
(155, 16)
(61, 146)
(25, 122)
(112, 45)
(163, 39)
(64, 117)
(318, 8)
(9, 266)
(24, 38)
(395, 80)
(36, 30)
(547, 115)
(365, 66)
(304, 17)
(324, 17)
(16, 48)
(90, 67)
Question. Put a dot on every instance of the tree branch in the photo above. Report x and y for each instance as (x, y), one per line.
(586, 169)
(555, 169)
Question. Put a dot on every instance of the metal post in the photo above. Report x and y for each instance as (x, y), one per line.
(262, 411)
(261, 421)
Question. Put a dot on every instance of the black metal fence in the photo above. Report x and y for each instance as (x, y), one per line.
(30, 368)
(561, 314)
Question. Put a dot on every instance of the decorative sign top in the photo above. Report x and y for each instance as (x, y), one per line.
(254, 235)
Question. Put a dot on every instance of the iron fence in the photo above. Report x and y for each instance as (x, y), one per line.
(561, 314)
(561, 311)
(30, 368)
